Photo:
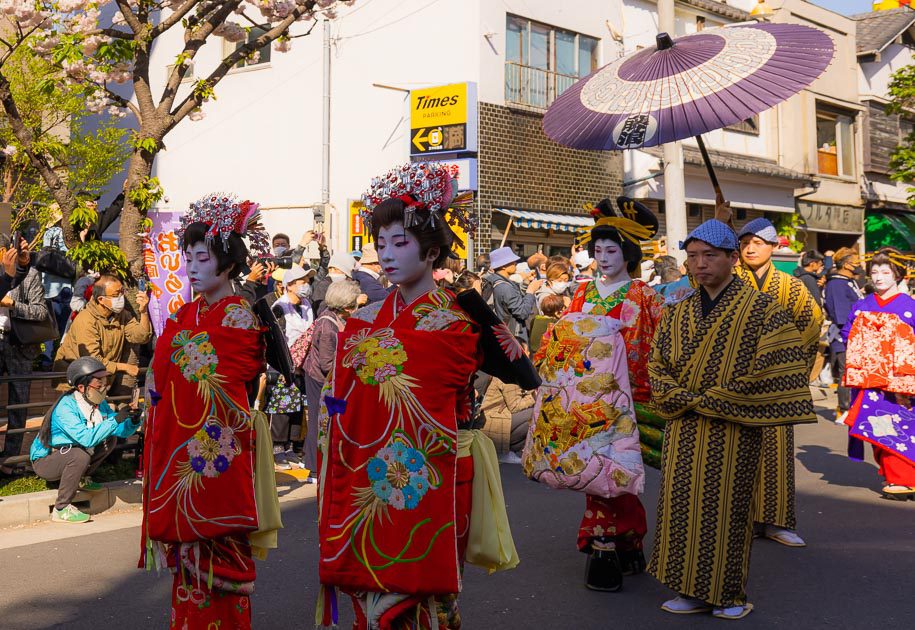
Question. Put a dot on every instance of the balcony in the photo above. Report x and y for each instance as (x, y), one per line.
(534, 87)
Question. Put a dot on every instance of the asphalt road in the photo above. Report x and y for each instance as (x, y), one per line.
(856, 571)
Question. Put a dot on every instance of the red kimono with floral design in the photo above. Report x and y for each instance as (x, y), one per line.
(638, 308)
(199, 503)
(395, 497)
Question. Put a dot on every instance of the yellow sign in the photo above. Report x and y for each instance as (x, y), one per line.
(356, 225)
(442, 105)
(459, 249)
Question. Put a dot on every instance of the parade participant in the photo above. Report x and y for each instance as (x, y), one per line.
(397, 468)
(880, 360)
(614, 521)
(775, 497)
(724, 364)
(77, 434)
(201, 510)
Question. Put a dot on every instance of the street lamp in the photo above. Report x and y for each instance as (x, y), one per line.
(762, 10)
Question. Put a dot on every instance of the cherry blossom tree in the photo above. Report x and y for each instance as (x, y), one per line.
(95, 52)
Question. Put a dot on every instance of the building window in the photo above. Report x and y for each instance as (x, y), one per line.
(264, 53)
(542, 62)
(749, 126)
(835, 143)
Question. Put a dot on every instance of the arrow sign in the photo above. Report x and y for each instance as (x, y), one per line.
(425, 141)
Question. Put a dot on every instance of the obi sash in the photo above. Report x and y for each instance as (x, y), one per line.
(583, 435)
(387, 508)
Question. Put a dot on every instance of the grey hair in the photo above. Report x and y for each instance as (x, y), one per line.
(342, 295)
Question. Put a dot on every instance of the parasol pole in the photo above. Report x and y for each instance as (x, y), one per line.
(507, 229)
(709, 167)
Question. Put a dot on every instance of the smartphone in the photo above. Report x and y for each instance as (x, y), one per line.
(135, 400)
(17, 241)
(141, 285)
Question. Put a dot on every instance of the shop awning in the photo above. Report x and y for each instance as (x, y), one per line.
(546, 220)
(890, 229)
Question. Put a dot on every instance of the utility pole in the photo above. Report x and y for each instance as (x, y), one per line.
(320, 216)
(674, 184)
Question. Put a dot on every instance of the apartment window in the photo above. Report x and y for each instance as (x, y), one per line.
(253, 33)
(542, 61)
(835, 143)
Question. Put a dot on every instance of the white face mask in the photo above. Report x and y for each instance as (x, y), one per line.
(336, 277)
(304, 291)
(117, 304)
(279, 250)
(559, 287)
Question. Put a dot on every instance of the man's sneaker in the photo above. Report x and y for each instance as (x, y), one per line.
(90, 486)
(280, 463)
(294, 459)
(69, 514)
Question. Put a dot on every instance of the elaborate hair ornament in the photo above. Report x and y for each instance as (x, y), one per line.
(428, 192)
(627, 227)
(223, 213)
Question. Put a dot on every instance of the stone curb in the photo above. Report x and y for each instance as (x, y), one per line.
(34, 507)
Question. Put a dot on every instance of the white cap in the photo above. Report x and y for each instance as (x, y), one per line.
(581, 260)
(295, 273)
(343, 262)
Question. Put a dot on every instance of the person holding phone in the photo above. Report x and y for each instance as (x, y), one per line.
(21, 298)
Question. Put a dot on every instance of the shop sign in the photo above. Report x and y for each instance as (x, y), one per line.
(356, 227)
(443, 119)
(464, 170)
(822, 217)
(163, 262)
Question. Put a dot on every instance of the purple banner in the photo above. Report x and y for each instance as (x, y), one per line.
(169, 288)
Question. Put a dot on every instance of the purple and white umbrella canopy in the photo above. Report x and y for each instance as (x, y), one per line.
(688, 86)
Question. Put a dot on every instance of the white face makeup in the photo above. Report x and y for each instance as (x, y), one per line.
(398, 252)
(609, 258)
(201, 268)
(883, 278)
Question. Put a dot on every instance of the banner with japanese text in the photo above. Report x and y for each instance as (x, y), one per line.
(169, 288)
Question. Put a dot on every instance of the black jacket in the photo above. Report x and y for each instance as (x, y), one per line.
(810, 281)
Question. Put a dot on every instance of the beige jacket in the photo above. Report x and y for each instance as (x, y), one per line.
(499, 403)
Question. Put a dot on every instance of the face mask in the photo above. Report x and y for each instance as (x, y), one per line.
(304, 291)
(858, 270)
(95, 396)
(336, 277)
(559, 287)
(279, 250)
(117, 304)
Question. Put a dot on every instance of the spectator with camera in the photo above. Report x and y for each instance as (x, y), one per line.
(107, 330)
(77, 434)
(22, 311)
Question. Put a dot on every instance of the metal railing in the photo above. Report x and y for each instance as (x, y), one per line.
(44, 404)
(534, 87)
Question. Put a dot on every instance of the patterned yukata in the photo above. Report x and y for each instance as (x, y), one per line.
(775, 496)
(880, 361)
(637, 307)
(396, 494)
(199, 504)
(718, 379)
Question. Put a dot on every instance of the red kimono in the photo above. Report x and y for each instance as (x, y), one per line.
(395, 497)
(199, 503)
(638, 308)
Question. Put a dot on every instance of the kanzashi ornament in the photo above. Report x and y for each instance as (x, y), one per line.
(223, 213)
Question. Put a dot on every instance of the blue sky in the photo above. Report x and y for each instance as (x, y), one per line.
(847, 7)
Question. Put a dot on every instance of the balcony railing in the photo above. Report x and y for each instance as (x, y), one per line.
(534, 87)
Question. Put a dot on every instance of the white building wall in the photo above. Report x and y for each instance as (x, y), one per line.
(874, 76)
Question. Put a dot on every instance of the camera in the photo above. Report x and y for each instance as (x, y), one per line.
(283, 262)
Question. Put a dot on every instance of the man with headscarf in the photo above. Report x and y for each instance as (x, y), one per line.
(724, 365)
(775, 497)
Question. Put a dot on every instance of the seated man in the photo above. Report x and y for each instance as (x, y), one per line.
(76, 435)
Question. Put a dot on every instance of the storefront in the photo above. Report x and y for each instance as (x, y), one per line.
(831, 226)
(528, 232)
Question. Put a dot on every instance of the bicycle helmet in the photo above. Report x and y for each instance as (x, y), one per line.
(80, 371)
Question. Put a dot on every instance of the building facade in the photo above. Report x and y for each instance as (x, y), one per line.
(262, 138)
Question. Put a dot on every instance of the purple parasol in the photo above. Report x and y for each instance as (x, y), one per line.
(688, 86)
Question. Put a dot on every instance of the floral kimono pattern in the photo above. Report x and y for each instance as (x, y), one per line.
(637, 309)
(583, 436)
(395, 497)
(199, 498)
(880, 360)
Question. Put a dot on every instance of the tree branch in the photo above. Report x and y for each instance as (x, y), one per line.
(123, 102)
(175, 17)
(129, 17)
(191, 101)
